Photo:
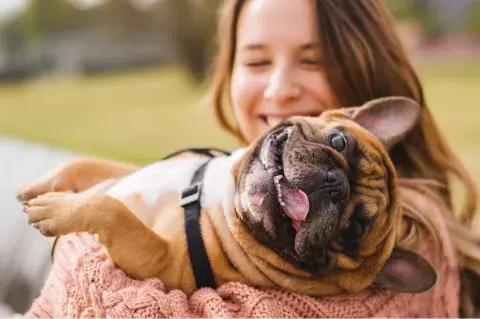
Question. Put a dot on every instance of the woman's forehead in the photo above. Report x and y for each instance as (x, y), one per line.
(264, 23)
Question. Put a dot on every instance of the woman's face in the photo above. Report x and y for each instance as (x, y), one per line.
(278, 65)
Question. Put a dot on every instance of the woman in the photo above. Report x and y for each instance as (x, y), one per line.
(280, 58)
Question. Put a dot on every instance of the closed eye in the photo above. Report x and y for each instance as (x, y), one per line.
(258, 63)
(311, 62)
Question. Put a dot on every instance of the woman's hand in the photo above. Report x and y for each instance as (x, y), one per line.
(75, 176)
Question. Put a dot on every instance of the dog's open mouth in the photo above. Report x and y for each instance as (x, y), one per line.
(294, 202)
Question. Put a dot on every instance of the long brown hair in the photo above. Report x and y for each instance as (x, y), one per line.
(364, 59)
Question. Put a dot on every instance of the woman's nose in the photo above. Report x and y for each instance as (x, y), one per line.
(282, 87)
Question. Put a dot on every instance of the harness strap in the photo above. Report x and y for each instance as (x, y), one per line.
(190, 201)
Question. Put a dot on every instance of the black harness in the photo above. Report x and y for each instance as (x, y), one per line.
(190, 201)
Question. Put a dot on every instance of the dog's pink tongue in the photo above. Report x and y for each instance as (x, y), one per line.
(296, 202)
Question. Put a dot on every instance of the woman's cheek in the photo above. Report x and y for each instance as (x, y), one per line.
(246, 92)
(318, 86)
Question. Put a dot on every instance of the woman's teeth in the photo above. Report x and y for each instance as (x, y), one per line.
(272, 121)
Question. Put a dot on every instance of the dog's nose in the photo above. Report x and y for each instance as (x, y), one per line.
(331, 177)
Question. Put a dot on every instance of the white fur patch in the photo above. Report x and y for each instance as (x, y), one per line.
(156, 179)
(219, 184)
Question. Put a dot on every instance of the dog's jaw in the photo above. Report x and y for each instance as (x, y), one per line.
(293, 201)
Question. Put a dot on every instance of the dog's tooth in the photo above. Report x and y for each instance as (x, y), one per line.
(279, 192)
(282, 136)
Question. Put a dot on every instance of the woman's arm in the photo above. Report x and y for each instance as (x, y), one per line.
(76, 176)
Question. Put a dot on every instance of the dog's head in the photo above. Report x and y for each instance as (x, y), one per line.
(320, 192)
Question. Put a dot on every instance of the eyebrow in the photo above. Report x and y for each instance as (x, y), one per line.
(259, 46)
(253, 47)
(311, 46)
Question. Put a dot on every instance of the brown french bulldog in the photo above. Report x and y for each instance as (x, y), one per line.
(310, 207)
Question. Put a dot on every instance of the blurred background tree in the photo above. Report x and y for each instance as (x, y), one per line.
(12, 39)
(43, 16)
(181, 30)
(421, 12)
(191, 25)
(472, 23)
(185, 28)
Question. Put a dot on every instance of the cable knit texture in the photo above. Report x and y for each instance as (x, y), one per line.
(84, 283)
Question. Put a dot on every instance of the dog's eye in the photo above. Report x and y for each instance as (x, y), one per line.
(352, 231)
(338, 142)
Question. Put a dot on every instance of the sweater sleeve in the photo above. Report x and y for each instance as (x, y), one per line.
(85, 283)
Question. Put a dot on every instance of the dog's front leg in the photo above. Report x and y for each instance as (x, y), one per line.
(131, 245)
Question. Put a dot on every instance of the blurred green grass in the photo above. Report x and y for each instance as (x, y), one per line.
(140, 116)
(453, 94)
(136, 116)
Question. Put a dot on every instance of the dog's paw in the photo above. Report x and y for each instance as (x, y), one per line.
(51, 213)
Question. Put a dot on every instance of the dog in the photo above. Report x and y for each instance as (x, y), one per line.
(310, 207)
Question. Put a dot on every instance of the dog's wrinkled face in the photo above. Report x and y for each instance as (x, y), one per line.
(320, 192)
(299, 182)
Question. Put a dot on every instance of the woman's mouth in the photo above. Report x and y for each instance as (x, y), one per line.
(272, 121)
(293, 201)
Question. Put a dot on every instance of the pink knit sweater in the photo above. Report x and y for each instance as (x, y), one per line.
(85, 283)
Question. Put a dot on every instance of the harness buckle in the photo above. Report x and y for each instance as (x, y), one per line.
(191, 194)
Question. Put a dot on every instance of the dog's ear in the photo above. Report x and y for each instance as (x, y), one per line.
(389, 119)
(406, 271)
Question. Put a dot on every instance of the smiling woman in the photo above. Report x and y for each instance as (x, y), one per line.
(277, 70)
(283, 58)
